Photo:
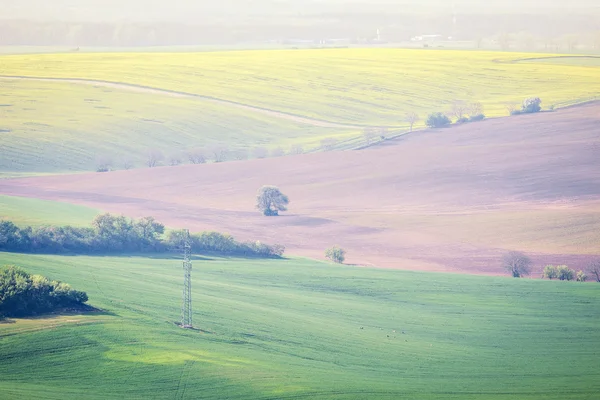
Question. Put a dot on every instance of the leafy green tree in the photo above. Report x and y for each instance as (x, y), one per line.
(270, 201)
(581, 276)
(550, 272)
(517, 263)
(437, 120)
(565, 273)
(336, 254)
(531, 105)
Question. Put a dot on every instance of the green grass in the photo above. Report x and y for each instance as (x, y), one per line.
(60, 127)
(292, 329)
(34, 212)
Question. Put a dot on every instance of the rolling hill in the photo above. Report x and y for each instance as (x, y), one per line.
(299, 329)
(62, 112)
(451, 199)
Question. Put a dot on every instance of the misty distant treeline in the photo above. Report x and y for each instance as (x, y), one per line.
(112, 234)
(394, 26)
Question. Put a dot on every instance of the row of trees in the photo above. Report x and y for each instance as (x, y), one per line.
(201, 155)
(119, 234)
(22, 294)
(519, 265)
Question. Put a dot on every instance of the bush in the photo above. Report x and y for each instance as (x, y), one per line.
(437, 120)
(462, 120)
(550, 272)
(531, 105)
(516, 112)
(581, 276)
(565, 273)
(478, 117)
(22, 294)
(336, 254)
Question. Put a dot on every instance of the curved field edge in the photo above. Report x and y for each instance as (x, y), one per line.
(59, 127)
(348, 86)
(276, 329)
(25, 211)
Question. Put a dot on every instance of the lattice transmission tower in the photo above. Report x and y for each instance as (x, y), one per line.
(186, 308)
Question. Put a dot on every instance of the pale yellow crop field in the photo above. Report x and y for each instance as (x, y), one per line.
(356, 86)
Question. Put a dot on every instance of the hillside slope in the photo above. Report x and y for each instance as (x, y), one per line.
(451, 199)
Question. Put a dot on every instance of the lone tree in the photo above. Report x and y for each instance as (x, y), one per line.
(518, 264)
(594, 269)
(270, 200)
(531, 105)
(437, 120)
(336, 254)
(411, 118)
(154, 157)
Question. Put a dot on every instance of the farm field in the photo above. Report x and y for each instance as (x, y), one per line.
(445, 200)
(296, 328)
(60, 126)
(35, 212)
(369, 87)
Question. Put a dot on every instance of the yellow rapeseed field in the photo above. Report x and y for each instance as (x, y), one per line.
(354, 86)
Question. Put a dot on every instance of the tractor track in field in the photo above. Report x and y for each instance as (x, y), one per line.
(173, 93)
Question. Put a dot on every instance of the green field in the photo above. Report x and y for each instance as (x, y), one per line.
(34, 212)
(302, 329)
(247, 99)
(61, 127)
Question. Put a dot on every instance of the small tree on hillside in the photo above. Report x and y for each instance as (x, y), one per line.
(459, 109)
(532, 105)
(594, 269)
(565, 273)
(336, 254)
(175, 159)
(270, 201)
(219, 153)
(103, 163)
(412, 118)
(197, 156)
(518, 264)
(550, 272)
(581, 276)
(154, 157)
(437, 120)
(475, 108)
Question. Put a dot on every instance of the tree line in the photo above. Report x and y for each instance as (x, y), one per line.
(114, 234)
(519, 265)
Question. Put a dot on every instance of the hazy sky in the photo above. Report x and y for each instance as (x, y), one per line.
(190, 10)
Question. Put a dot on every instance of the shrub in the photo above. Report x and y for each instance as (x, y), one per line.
(531, 105)
(336, 254)
(550, 272)
(581, 276)
(22, 294)
(565, 273)
(477, 117)
(518, 264)
(437, 120)
(516, 112)
(462, 120)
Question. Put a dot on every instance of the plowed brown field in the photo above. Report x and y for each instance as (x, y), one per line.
(451, 199)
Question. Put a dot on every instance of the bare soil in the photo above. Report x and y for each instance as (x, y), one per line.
(442, 200)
